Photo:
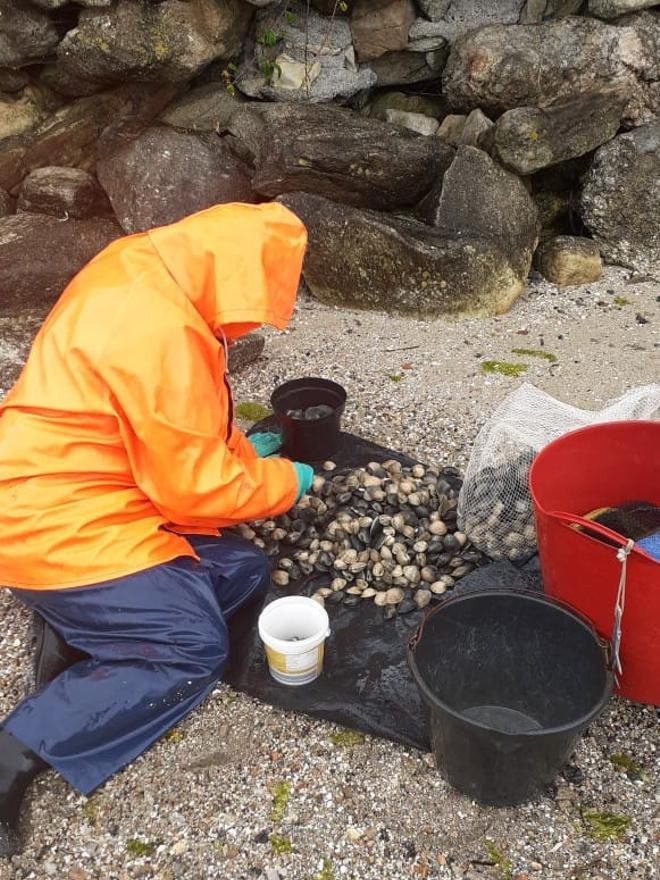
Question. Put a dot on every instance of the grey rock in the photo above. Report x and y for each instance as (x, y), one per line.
(164, 175)
(166, 42)
(451, 129)
(535, 11)
(6, 203)
(528, 139)
(245, 351)
(476, 130)
(417, 122)
(555, 61)
(553, 208)
(368, 260)
(54, 76)
(380, 26)
(58, 249)
(620, 198)
(461, 16)
(569, 261)
(206, 108)
(23, 111)
(338, 154)
(480, 198)
(26, 34)
(62, 192)
(434, 9)
(616, 8)
(429, 106)
(322, 50)
(407, 68)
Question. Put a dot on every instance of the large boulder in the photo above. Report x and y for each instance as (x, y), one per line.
(381, 26)
(368, 260)
(478, 197)
(206, 108)
(568, 261)
(620, 199)
(26, 34)
(535, 11)
(616, 8)
(63, 192)
(72, 132)
(301, 56)
(165, 175)
(498, 68)
(164, 42)
(528, 139)
(338, 154)
(452, 20)
(58, 249)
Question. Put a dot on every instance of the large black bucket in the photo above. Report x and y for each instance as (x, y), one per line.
(309, 441)
(512, 678)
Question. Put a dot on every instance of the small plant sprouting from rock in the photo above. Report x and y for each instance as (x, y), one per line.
(229, 75)
(623, 761)
(504, 368)
(347, 738)
(280, 844)
(497, 857)
(605, 826)
(137, 847)
(281, 792)
(536, 353)
(251, 411)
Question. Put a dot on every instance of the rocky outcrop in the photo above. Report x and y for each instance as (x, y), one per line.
(164, 175)
(620, 199)
(58, 249)
(166, 42)
(528, 139)
(568, 261)
(330, 152)
(27, 34)
(63, 192)
(499, 68)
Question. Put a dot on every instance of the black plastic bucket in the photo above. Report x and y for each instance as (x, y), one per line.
(512, 679)
(305, 440)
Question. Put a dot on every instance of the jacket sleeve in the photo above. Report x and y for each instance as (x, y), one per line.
(241, 446)
(173, 422)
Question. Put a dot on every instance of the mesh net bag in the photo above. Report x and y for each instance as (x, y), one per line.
(495, 506)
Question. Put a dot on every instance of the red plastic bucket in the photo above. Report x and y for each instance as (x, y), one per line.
(599, 466)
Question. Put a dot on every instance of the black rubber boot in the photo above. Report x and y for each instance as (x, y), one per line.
(18, 767)
(52, 655)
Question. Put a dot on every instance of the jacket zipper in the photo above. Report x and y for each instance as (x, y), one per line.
(230, 398)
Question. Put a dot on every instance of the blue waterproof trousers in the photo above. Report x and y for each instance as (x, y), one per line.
(157, 642)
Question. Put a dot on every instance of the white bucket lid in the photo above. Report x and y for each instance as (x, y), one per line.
(283, 619)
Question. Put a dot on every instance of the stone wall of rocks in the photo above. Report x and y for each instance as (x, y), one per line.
(434, 148)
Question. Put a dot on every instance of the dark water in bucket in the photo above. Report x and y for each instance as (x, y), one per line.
(512, 679)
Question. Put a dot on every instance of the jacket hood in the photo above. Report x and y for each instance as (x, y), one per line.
(236, 263)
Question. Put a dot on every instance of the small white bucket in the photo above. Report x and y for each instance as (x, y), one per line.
(294, 630)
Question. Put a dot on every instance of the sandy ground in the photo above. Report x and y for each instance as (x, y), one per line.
(200, 804)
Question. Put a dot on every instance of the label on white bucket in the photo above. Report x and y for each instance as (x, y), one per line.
(295, 662)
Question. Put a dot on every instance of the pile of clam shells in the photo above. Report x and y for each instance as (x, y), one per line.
(386, 533)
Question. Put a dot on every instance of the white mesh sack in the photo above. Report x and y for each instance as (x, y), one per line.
(495, 506)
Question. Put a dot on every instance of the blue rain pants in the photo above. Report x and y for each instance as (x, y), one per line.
(157, 643)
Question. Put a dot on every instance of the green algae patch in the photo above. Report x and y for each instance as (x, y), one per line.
(504, 368)
(497, 857)
(347, 738)
(137, 847)
(535, 353)
(281, 792)
(280, 844)
(251, 411)
(605, 826)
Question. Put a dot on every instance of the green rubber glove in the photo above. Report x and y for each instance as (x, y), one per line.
(266, 443)
(305, 476)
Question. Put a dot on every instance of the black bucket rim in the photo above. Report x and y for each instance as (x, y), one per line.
(433, 700)
(295, 385)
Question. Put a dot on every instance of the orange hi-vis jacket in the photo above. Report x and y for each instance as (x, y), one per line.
(119, 432)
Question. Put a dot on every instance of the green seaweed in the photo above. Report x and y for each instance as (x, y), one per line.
(140, 847)
(621, 301)
(251, 411)
(535, 353)
(174, 736)
(625, 762)
(281, 792)
(280, 844)
(347, 738)
(90, 812)
(504, 368)
(498, 858)
(395, 377)
(605, 826)
(327, 872)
